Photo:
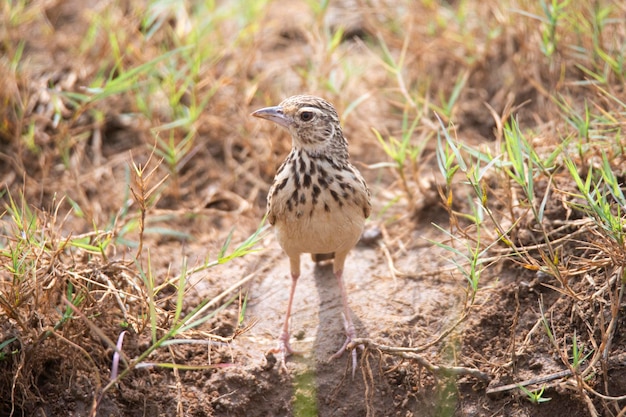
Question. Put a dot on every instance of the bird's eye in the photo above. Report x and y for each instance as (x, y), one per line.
(306, 116)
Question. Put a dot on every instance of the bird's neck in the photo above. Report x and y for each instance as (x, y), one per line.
(315, 153)
(330, 149)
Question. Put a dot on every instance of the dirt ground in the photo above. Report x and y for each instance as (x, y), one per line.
(432, 346)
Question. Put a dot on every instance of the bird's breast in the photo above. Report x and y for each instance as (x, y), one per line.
(317, 207)
(322, 232)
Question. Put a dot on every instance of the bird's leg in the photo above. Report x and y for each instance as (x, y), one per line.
(347, 322)
(284, 348)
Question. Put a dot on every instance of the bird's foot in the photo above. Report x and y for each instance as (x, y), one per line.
(284, 349)
(350, 335)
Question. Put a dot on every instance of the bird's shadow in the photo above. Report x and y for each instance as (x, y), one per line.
(331, 332)
(334, 376)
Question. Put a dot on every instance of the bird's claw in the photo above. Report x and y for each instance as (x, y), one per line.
(284, 349)
(350, 335)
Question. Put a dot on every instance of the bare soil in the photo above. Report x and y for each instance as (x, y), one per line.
(403, 291)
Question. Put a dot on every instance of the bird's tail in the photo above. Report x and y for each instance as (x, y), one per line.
(319, 257)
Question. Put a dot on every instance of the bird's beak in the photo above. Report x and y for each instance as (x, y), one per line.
(274, 114)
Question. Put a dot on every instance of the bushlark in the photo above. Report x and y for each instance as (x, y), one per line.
(318, 202)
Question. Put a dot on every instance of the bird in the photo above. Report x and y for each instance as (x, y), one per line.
(318, 202)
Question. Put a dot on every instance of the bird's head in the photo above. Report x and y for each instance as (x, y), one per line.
(313, 123)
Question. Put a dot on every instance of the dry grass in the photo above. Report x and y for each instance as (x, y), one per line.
(122, 121)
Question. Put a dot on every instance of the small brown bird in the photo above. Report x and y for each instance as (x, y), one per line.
(318, 202)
